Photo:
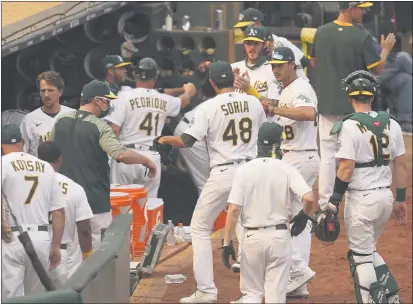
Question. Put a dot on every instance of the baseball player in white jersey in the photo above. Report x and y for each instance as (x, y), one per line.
(77, 215)
(254, 17)
(367, 142)
(230, 123)
(30, 186)
(137, 118)
(36, 125)
(264, 192)
(296, 112)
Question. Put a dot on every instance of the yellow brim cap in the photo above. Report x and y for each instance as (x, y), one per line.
(242, 24)
(277, 61)
(253, 39)
(365, 4)
(357, 93)
(122, 64)
(111, 96)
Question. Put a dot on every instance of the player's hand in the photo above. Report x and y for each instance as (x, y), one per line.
(228, 251)
(190, 89)
(54, 257)
(241, 83)
(389, 42)
(150, 165)
(400, 212)
(236, 71)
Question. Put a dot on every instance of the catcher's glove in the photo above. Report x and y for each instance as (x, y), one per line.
(165, 151)
(327, 228)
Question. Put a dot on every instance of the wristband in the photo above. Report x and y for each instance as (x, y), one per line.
(340, 187)
(400, 195)
(161, 90)
(253, 92)
(85, 255)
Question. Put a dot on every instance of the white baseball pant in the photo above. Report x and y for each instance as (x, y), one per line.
(196, 158)
(18, 275)
(307, 163)
(74, 253)
(213, 199)
(366, 214)
(97, 223)
(265, 265)
(124, 174)
(328, 145)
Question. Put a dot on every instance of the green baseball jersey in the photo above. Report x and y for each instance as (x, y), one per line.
(339, 49)
(85, 142)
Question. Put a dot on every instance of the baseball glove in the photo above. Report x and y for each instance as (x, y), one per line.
(327, 228)
(165, 151)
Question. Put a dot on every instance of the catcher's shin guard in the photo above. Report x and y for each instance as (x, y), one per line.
(363, 264)
(385, 277)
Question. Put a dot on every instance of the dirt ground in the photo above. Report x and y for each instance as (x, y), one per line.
(333, 282)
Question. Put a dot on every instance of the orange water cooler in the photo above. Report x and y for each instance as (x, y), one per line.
(154, 214)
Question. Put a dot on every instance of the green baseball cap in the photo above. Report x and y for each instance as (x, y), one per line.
(248, 16)
(219, 71)
(255, 33)
(270, 133)
(281, 55)
(114, 61)
(10, 134)
(97, 88)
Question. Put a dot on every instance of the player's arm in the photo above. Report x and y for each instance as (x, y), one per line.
(114, 149)
(300, 188)
(117, 115)
(374, 62)
(172, 91)
(189, 92)
(303, 113)
(83, 214)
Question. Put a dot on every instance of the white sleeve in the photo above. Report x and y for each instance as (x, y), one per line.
(274, 89)
(345, 144)
(82, 209)
(303, 99)
(399, 148)
(118, 110)
(237, 194)
(298, 54)
(57, 199)
(199, 125)
(25, 135)
(297, 183)
(174, 106)
(4, 170)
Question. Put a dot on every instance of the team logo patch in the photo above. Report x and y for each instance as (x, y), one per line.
(304, 98)
(111, 109)
(376, 123)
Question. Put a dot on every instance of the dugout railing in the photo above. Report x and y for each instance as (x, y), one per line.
(103, 278)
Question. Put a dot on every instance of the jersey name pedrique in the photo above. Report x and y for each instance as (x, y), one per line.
(31, 188)
(300, 135)
(76, 206)
(356, 142)
(141, 114)
(230, 124)
(36, 127)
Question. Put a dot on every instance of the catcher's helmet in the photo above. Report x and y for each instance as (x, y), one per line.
(360, 84)
(147, 69)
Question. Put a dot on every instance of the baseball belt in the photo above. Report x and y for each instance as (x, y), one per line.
(277, 227)
(235, 162)
(377, 188)
(186, 120)
(138, 147)
(307, 150)
(63, 246)
(33, 228)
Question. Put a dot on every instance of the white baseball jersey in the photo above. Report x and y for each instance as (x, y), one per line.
(77, 207)
(357, 143)
(262, 79)
(265, 188)
(230, 124)
(31, 187)
(36, 127)
(140, 113)
(300, 135)
(298, 54)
